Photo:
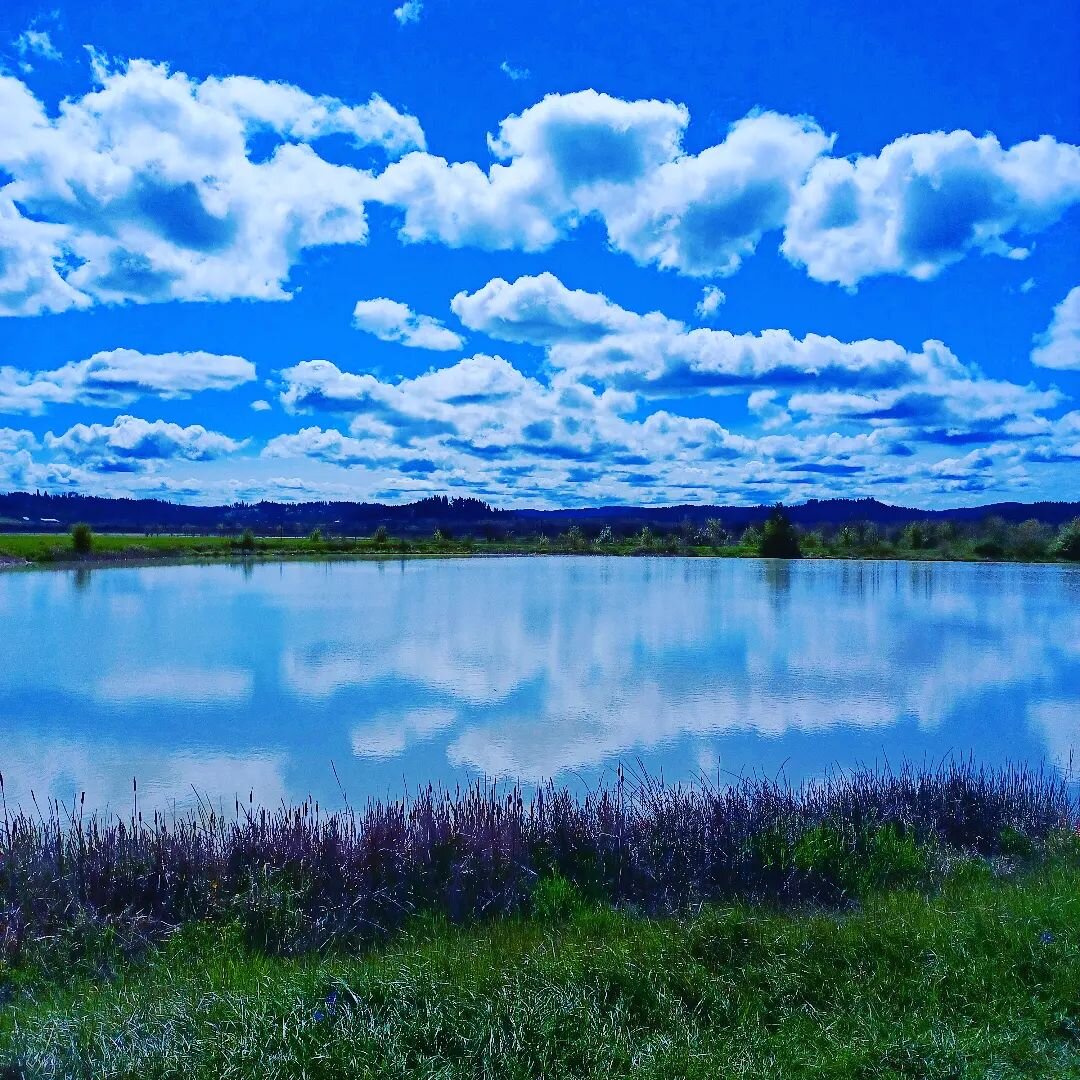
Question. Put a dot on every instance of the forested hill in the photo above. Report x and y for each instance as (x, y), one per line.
(39, 512)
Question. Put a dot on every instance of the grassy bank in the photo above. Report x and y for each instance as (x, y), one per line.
(922, 923)
(46, 548)
(980, 978)
(50, 549)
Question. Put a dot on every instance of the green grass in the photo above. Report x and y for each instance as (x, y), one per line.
(979, 979)
(57, 547)
(53, 547)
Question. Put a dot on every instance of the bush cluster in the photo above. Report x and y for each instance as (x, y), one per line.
(779, 537)
(82, 539)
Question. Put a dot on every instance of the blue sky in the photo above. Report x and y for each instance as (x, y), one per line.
(543, 254)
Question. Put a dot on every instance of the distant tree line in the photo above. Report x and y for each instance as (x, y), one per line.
(993, 537)
(831, 527)
(777, 537)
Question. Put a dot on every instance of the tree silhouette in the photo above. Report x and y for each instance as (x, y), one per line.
(779, 539)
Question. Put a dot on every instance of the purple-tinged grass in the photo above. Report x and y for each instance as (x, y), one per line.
(299, 879)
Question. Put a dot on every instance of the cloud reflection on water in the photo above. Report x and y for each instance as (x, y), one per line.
(62, 769)
(529, 667)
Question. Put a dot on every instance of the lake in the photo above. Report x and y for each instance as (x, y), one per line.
(235, 678)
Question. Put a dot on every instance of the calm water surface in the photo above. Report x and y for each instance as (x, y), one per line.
(234, 678)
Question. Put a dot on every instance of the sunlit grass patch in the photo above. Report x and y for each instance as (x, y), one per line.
(981, 979)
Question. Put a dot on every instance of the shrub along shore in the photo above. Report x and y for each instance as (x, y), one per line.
(924, 922)
(990, 540)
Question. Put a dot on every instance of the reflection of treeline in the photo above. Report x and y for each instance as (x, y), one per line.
(299, 878)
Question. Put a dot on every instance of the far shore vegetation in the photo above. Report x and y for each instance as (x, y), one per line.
(918, 923)
(988, 540)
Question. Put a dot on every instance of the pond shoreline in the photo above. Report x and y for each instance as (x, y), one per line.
(1028, 542)
(142, 559)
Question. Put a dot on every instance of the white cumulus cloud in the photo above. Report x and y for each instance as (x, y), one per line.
(150, 188)
(587, 153)
(130, 444)
(924, 202)
(925, 395)
(294, 113)
(1059, 346)
(409, 12)
(591, 337)
(118, 377)
(703, 214)
(12, 439)
(557, 152)
(145, 189)
(541, 310)
(30, 252)
(711, 300)
(390, 320)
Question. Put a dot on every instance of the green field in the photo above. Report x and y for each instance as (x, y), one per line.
(57, 547)
(980, 978)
